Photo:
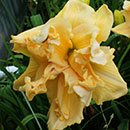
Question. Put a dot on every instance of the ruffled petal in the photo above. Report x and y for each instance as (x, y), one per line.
(32, 81)
(21, 49)
(23, 37)
(80, 62)
(101, 55)
(83, 35)
(104, 21)
(114, 86)
(58, 43)
(126, 13)
(35, 35)
(77, 12)
(126, 5)
(30, 72)
(32, 88)
(64, 106)
(122, 29)
(64, 91)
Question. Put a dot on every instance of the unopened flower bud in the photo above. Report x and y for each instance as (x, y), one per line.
(118, 17)
(85, 1)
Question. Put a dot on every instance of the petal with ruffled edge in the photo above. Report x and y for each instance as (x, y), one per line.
(62, 112)
(77, 12)
(30, 71)
(21, 40)
(80, 62)
(114, 86)
(62, 92)
(126, 12)
(26, 82)
(58, 43)
(100, 55)
(104, 21)
(122, 29)
(83, 35)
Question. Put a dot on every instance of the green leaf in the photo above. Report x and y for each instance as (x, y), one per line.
(30, 117)
(7, 109)
(36, 20)
(124, 125)
(116, 110)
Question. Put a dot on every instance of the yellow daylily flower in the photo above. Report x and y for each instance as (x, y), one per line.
(124, 28)
(68, 63)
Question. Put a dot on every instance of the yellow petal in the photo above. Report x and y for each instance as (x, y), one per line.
(84, 94)
(58, 42)
(36, 51)
(21, 49)
(80, 63)
(126, 13)
(53, 70)
(74, 82)
(101, 55)
(126, 5)
(122, 29)
(62, 112)
(114, 86)
(23, 37)
(32, 88)
(22, 40)
(34, 71)
(83, 35)
(104, 20)
(77, 12)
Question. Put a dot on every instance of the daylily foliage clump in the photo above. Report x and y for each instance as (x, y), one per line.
(68, 63)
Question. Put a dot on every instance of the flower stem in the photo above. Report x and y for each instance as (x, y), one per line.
(106, 124)
(31, 110)
(123, 56)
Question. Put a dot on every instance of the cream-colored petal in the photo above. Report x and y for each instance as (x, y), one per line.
(23, 37)
(78, 13)
(32, 88)
(74, 82)
(104, 21)
(53, 70)
(63, 107)
(122, 29)
(126, 5)
(101, 55)
(126, 13)
(114, 86)
(83, 35)
(85, 95)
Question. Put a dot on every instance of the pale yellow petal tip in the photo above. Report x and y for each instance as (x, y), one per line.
(123, 93)
(12, 39)
(126, 5)
(122, 29)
